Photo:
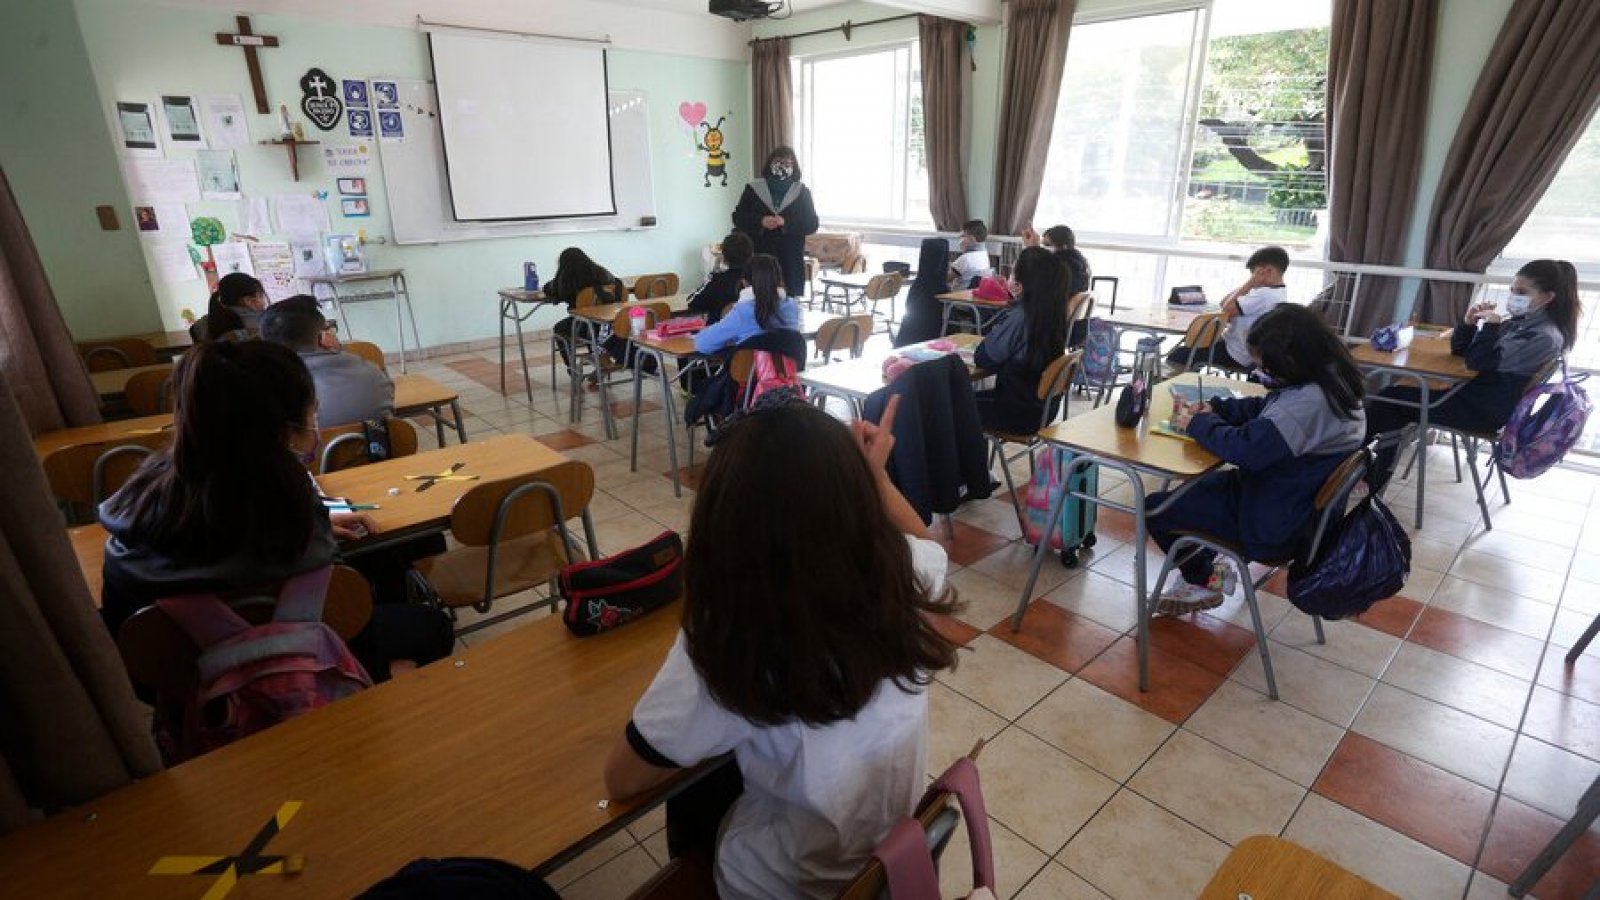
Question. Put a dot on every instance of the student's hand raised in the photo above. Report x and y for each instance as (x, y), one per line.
(877, 441)
(1030, 238)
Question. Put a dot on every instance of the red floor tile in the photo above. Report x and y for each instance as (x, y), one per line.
(1477, 642)
(1061, 638)
(1177, 687)
(1114, 524)
(1212, 644)
(1564, 721)
(1393, 616)
(623, 409)
(1517, 835)
(953, 628)
(1580, 678)
(1444, 811)
(564, 440)
(970, 543)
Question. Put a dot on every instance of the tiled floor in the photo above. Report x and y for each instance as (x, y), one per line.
(1432, 745)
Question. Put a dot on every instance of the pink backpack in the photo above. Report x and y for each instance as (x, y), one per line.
(770, 372)
(251, 677)
(1546, 423)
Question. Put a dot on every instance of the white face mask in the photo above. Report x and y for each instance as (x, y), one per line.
(782, 169)
(1518, 304)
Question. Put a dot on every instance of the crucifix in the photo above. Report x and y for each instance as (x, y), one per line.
(250, 42)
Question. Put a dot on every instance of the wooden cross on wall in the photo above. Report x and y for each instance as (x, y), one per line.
(250, 42)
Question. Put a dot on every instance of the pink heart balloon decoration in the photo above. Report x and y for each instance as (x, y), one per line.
(692, 113)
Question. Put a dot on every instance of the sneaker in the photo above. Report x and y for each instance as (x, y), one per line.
(1187, 598)
(1222, 580)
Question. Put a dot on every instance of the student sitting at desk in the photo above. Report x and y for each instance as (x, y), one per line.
(1283, 447)
(1242, 306)
(349, 389)
(575, 271)
(228, 506)
(1023, 341)
(1506, 352)
(973, 264)
(724, 286)
(1060, 240)
(762, 307)
(814, 676)
(233, 312)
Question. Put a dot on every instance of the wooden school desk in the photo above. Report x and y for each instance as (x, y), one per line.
(415, 394)
(518, 306)
(495, 752)
(89, 546)
(111, 383)
(1097, 439)
(587, 325)
(1437, 374)
(48, 442)
(168, 344)
(965, 300)
(855, 380)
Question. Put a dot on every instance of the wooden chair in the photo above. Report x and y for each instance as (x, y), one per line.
(1328, 507)
(882, 287)
(1054, 383)
(576, 352)
(513, 536)
(117, 353)
(611, 372)
(71, 470)
(1080, 309)
(854, 264)
(149, 393)
(161, 657)
(647, 287)
(843, 333)
(1202, 339)
(368, 351)
(345, 446)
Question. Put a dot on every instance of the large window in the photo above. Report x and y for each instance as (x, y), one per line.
(1201, 124)
(1566, 223)
(858, 120)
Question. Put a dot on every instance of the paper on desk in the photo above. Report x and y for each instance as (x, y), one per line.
(225, 121)
(274, 265)
(172, 264)
(152, 181)
(301, 217)
(232, 256)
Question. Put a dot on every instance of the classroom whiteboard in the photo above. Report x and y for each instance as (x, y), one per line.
(419, 195)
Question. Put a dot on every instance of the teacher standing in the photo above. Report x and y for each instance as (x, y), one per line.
(776, 212)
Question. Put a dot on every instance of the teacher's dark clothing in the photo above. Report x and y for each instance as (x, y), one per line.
(788, 243)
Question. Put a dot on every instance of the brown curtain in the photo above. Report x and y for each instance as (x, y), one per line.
(70, 729)
(1532, 102)
(773, 99)
(38, 358)
(1036, 52)
(944, 59)
(1380, 61)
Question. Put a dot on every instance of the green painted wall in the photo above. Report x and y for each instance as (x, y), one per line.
(141, 50)
(56, 150)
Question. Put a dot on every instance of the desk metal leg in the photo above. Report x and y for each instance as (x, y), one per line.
(400, 322)
(503, 310)
(638, 399)
(438, 423)
(461, 426)
(669, 409)
(1422, 446)
(402, 294)
(522, 354)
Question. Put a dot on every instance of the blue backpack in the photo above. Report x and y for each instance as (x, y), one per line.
(1099, 352)
(1546, 423)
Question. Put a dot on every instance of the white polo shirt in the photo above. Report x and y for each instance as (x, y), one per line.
(1252, 306)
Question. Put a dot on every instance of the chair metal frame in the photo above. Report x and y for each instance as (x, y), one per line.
(610, 374)
(1055, 381)
(97, 478)
(340, 435)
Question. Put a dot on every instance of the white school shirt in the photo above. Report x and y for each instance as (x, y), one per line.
(816, 800)
(1252, 305)
(972, 264)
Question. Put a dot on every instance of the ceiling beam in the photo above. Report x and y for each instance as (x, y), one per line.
(978, 12)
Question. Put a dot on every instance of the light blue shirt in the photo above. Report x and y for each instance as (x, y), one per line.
(740, 324)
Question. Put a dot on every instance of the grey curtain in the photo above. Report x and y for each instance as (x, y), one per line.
(38, 358)
(70, 729)
(772, 99)
(1531, 104)
(1036, 52)
(1380, 60)
(944, 57)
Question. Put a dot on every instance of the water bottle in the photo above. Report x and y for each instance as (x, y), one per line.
(636, 320)
(530, 277)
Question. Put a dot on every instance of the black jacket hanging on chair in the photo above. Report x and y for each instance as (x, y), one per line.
(940, 457)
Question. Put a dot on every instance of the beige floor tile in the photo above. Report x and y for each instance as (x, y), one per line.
(1001, 677)
(985, 601)
(649, 823)
(1095, 727)
(1015, 862)
(1433, 555)
(1039, 792)
(1482, 691)
(1569, 626)
(1134, 848)
(1228, 796)
(1582, 597)
(1009, 566)
(1448, 738)
(1365, 650)
(1273, 734)
(1098, 598)
(1327, 691)
(671, 515)
(1118, 564)
(656, 846)
(604, 507)
(592, 859)
(1057, 882)
(1421, 584)
(955, 725)
(1383, 856)
(616, 879)
(998, 516)
(1527, 551)
(1497, 606)
(1486, 887)
(1585, 566)
(1549, 778)
(626, 533)
(1234, 610)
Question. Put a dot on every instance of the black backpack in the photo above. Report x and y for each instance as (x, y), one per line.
(461, 878)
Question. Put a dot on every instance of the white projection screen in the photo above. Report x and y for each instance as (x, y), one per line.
(526, 131)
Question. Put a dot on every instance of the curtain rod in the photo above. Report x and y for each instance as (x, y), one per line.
(846, 28)
(424, 24)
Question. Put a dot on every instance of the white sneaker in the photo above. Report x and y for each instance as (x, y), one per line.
(1223, 579)
(1187, 598)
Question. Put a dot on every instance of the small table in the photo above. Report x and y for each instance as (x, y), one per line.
(660, 350)
(1096, 439)
(112, 383)
(48, 442)
(972, 304)
(1165, 319)
(396, 291)
(1437, 373)
(419, 393)
(857, 379)
(89, 546)
(589, 320)
(854, 283)
(512, 303)
(168, 344)
(1270, 868)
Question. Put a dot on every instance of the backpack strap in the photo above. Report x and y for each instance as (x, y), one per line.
(961, 779)
(302, 597)
(205, 618)
(907, 864)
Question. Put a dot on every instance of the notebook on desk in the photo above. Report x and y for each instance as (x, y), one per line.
(1188, 393)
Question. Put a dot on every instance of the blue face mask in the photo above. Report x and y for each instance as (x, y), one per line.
(1518, 304)
(1266, 379)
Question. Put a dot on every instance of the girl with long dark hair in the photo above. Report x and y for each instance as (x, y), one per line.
(233, 313)
(1023, 341)
(764, 305)
(924, 315)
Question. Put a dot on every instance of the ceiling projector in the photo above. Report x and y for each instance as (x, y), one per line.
(743, 10)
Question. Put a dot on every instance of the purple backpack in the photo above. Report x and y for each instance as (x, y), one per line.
(1545, 424)
(251, 677)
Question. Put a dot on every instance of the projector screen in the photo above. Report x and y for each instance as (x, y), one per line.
(525, 125)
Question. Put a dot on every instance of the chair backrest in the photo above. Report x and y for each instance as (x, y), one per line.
(1080, 308)
(843, 333)
(586, 297)
(368, 351)
(1056, 376)
(114, 467)
(646, 287)
(1330, 501)
(499, 510)
(1203, 331)
(149, 393)
(117, 353)
(854, 264)
(654, 314)
(345, 446)
(70, 470)
(885, 286)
